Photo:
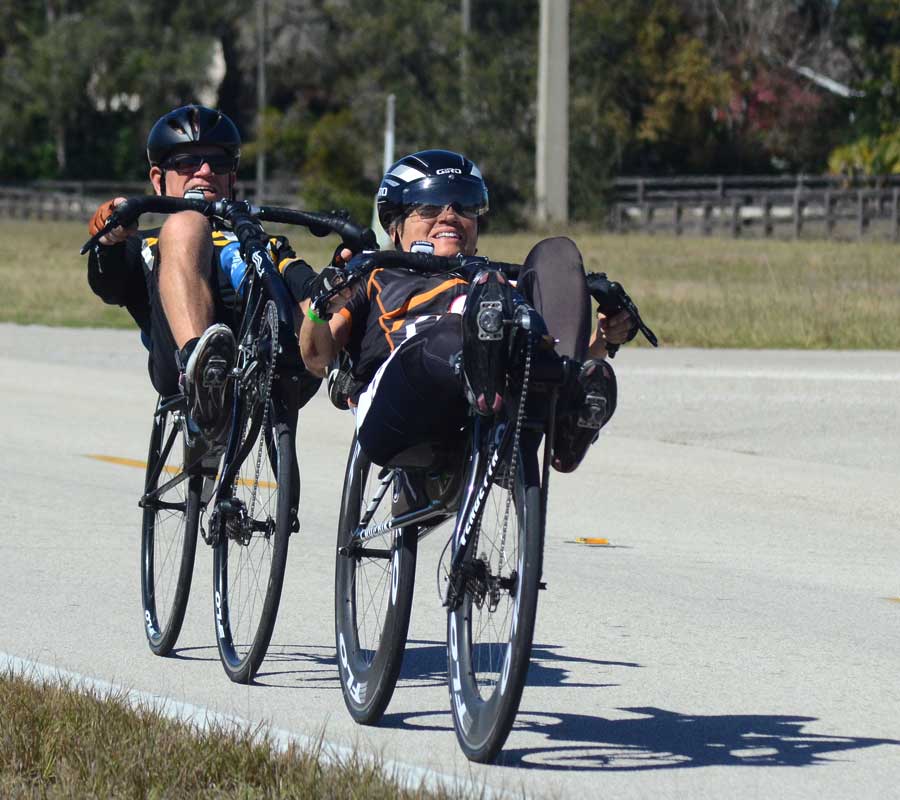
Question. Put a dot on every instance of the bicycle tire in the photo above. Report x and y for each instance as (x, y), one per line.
(248, 569)
(488, 651)
(168, 535)
(370, 644)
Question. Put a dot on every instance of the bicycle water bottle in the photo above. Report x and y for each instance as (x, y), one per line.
(233, 266)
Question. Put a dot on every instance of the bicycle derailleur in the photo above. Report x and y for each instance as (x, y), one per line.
(229, 520)
(476, 579)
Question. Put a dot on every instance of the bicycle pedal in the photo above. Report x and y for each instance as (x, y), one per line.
(490, 320)
(593, 413)
(216, 373)
(542, 585)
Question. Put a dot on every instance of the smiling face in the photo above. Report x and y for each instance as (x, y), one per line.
(451, 233)
(214, 186)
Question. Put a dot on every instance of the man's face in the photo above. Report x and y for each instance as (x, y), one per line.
(214, 179)
(450, 232)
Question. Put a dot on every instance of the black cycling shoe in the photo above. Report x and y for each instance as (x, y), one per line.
(578, 429)
(340, 381)
(485, 343)
(207, 384)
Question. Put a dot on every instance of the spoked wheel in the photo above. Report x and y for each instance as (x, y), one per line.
(169, 536)
(489, 634)
(251, 529)
(374, 582)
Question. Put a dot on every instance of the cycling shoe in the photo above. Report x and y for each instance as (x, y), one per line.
(485, 343)
(594, 401)
(340, 381)
(207, 381)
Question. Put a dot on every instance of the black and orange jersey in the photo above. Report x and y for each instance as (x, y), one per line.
(393, 305)
(120, 274)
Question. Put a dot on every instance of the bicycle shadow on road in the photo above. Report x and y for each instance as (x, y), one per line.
(661, 739)
(425, 664)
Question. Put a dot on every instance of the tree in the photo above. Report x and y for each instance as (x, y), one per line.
(77, 103)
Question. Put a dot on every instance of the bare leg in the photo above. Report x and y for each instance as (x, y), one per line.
(185, 255)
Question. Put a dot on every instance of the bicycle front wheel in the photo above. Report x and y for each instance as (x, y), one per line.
(489, 633)
(169, 532)
(251, 551)
(373, 593)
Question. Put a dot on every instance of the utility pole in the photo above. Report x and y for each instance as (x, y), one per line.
(465, 13)
(552, 167)
(260, 101)
(387, 160)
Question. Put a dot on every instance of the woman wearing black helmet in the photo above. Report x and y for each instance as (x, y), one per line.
(403, 330)
(176, 280)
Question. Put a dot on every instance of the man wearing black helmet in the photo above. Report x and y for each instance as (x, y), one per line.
(180, 282)
(404, 330)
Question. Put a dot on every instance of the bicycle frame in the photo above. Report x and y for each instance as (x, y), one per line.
(434, 513)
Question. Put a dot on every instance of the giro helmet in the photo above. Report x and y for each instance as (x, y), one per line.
(192, 125)
(431, 177)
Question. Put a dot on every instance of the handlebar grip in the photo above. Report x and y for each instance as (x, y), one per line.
(130, 211)
(355, 236)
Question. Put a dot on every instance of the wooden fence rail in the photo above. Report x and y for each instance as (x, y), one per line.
(785, 206)
(77, 200)
(847, 213)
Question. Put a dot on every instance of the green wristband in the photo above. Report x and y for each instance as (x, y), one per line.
(311, 314)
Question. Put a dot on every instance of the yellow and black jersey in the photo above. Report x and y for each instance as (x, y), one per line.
(393, 305)
(120, 274)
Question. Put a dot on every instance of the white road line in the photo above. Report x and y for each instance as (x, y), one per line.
(203, 719)
(761, 374)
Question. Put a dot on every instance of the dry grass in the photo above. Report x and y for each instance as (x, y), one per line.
(758, 294)
(691, 291)
(57, 743)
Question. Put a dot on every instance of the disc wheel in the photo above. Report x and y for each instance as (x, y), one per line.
(169, 532)
(374, 582)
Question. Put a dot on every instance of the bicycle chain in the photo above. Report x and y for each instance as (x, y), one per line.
(270, 316)
(513, 462)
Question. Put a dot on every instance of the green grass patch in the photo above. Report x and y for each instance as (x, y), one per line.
(55, 742)
(692, 291)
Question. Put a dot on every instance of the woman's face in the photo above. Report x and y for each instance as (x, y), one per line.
(450, 232)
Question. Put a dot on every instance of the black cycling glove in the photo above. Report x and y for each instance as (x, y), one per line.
(328, 279)
(611, 299)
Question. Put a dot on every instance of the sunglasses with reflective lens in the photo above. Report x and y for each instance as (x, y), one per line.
(429, 211)
(188, 163)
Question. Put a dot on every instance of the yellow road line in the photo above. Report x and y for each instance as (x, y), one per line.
(131, 462)
(590, 540)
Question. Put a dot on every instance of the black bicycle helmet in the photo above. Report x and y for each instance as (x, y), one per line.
(192, 125)
(430, 177)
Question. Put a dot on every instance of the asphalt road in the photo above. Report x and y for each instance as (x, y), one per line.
(737, 638)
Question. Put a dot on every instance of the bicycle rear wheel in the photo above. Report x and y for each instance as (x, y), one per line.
(169, 533)
(373, 592)
(489, 634)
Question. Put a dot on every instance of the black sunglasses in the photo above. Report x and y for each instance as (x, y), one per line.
(188, 163)
(432, 211)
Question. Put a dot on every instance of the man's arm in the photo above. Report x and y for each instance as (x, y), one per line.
(115, 273)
